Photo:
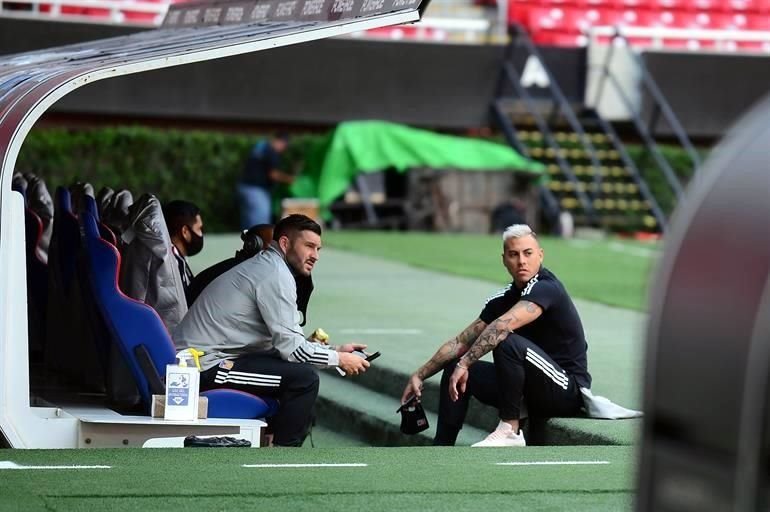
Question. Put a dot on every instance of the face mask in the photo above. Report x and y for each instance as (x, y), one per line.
(195, 244)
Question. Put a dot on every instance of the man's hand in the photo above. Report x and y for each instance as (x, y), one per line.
(351, 347)
(457, 382)
(279, 176)
(351, 364)
(413, 387)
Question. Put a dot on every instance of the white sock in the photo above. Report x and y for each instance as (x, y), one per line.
(505, 427)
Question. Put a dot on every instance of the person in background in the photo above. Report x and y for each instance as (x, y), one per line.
(261, 172)
(185, 227)
(255, 239)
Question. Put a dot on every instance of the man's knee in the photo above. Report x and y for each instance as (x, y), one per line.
(307, 377)
(512, 347)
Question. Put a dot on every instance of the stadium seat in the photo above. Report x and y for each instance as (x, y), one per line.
(758, 22)
(668, 5)
(62, 261)
(752, 6)
(115, 214)
(19, 184)
(707, 6)
(78, 191)
(142, 338)
(77, 360)
(91, 207)
(103, 200)
(565, 22)
(37, 283)
(631, 4)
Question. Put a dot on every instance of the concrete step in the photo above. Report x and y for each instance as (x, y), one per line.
(381, 382)
(322, 437)
(348, 408)
(391, 382)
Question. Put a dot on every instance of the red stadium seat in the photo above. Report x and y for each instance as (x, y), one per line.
(758, 22)
(565, 22)
(547, 19)
(667, 5)
(744, 5)
(518, 10)
(631, 4)
(562, 3)
(598, 4)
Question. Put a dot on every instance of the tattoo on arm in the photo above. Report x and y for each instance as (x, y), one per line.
(496, 332)
(452, 349)
(522, 313)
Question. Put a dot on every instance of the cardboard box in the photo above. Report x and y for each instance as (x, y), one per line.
(159, 407)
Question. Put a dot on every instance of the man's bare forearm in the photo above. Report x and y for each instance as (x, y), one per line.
(496, 332)
(450, 350)
(522, 313)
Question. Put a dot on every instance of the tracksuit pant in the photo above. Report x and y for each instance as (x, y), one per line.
(294, 385)
(521, 371)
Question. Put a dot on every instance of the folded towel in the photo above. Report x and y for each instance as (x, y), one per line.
(600, 407)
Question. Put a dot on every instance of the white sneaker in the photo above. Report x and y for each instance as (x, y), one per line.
(502, 438)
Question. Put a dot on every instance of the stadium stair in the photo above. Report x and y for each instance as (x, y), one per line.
(364, 409)
(614, 193)
(590, 172)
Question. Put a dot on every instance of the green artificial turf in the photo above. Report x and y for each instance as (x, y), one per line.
(422, 479)
(606, 271)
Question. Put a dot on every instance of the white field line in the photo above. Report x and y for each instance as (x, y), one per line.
(351, 465)
(555, 463)
(633, 250)
(407, 332)
(7, 464)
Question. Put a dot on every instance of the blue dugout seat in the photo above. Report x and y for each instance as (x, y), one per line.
(141, 336)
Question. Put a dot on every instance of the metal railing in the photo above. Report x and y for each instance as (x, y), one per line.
(660, 105)
(511, 78)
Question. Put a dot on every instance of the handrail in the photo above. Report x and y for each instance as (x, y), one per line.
(564, 106)
(657, 212)
(602, 124)
(622, 34)
(649, 141)
(513, 78)
(659, 100)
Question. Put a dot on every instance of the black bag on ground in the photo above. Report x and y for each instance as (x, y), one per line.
(413, 419)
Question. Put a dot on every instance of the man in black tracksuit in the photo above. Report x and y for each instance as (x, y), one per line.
(538, 344)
